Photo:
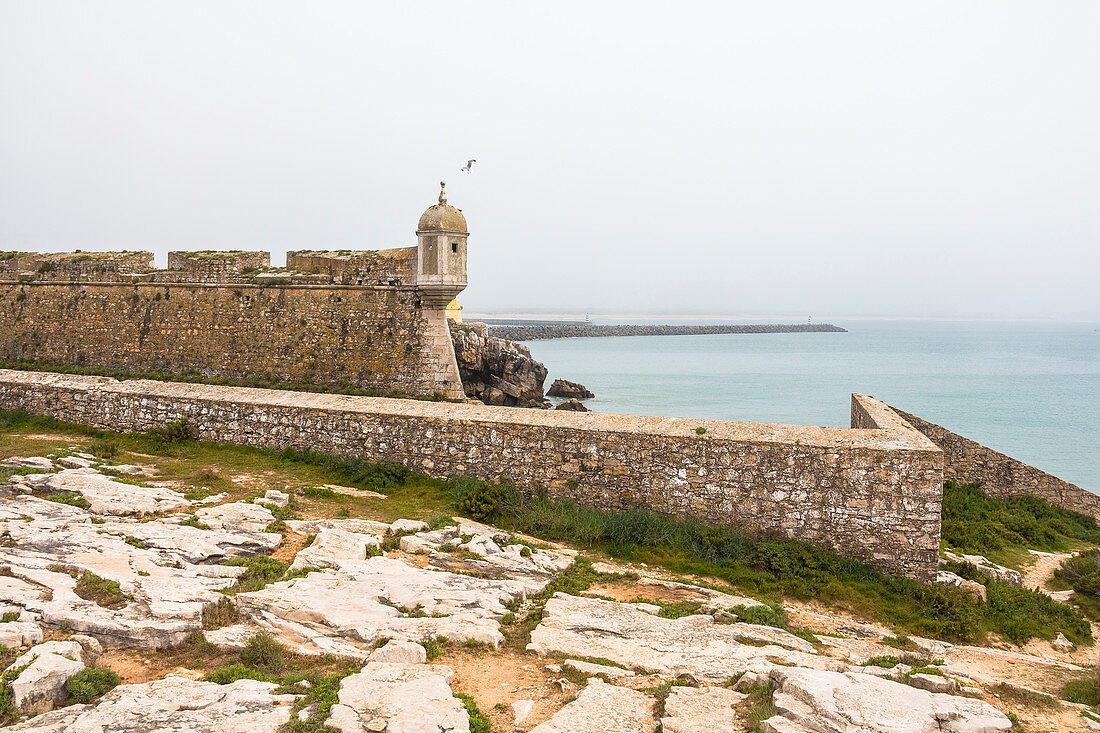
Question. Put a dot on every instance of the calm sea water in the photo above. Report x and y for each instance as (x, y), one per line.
(1030, 390)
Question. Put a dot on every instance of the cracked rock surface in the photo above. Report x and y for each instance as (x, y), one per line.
(399, 698)
(173, 705)
(691, 645)
(604, 708)
(816, 700)
(107, 496)
(692, 709)
(345, 611)
(165, 571)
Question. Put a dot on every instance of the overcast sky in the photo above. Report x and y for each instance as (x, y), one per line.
(874, 158)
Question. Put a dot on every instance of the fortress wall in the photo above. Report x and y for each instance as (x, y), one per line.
(966, 461)
(873, 493)
(369, 331)
(216, 266)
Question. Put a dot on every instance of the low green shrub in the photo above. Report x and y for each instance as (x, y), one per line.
(976, 522)
(234, 672)
(1020, 613)
(179, 431)
(773, 615)
(1082, 573)
(319, 492)
(679, 609)
(434, 646)
(222, 613)
(264, 653)
(479, 499)
(105, 448)
(89, 684)
(478, 722)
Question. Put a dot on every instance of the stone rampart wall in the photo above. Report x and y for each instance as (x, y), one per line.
(207, 318)
(966, 461)
(873, 493)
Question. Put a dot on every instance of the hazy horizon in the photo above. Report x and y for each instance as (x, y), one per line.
(860, 159)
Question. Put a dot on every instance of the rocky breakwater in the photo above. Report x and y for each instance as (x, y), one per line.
(589, 330)
(497, 371)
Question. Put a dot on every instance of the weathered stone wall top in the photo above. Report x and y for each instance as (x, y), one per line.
(366, 268)
(85, 266)
(382, 267)
(891, 433)
(210, 266)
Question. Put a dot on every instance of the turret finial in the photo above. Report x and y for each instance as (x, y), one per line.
(442, 192)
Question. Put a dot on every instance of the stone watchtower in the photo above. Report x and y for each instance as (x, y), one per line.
(441, 252)
(440, 276)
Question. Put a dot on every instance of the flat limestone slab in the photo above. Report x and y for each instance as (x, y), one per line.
(345, 611)
(693, 645)
(820, 700)
(604, 708)
(115, 498)
(45, 669)
(693, 709)
(172, 705)
(399, 698)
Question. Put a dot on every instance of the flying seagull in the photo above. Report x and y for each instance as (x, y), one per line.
(468, 166)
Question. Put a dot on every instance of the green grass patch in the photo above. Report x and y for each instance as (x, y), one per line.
(434, 646)
(68, 498)
(262, 652)
(889, 661)
(1084, 692)
(101, 591)
(760, 706)
(320, 491)
(193, 521)
(260, 571)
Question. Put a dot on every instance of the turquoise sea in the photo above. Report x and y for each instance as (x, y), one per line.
(1031, 390)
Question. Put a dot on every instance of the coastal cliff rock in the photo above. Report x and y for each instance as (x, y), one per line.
(572, 404)
(496, 371)
(567, 389)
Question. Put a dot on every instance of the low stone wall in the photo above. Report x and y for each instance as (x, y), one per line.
(966, 461)
(873, 493)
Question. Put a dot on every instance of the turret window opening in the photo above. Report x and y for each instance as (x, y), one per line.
(454, 247)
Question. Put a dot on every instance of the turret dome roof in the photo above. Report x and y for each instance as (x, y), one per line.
(442, 217)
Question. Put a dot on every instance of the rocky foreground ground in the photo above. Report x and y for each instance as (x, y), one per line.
(105, 567)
